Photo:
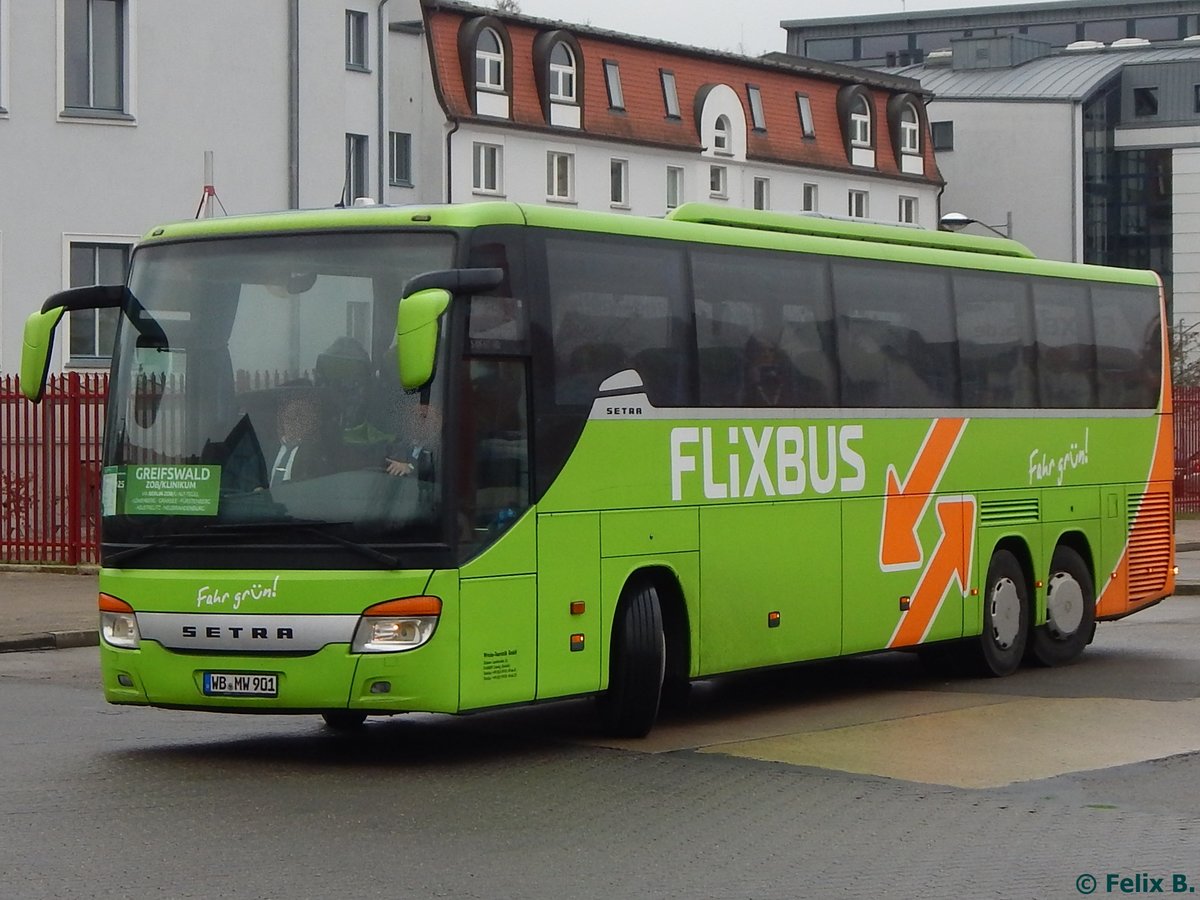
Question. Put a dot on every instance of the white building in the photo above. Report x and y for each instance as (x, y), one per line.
(107, 108)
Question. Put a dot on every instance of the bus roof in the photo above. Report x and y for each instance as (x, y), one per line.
(701, 222)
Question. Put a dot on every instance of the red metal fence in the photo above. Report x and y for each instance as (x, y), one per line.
(50, 465)
(50, 470)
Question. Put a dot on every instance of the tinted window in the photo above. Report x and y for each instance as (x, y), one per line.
(617, 305)
(764, 329)
(895, 334)
(1065, 353)
(1128, 346)
(995, 341)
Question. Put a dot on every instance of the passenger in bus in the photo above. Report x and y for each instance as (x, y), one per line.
(770, 378)
(414, 454)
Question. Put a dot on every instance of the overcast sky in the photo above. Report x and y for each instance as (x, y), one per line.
(752, 27)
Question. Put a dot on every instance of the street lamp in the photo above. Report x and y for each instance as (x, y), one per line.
(956, 221)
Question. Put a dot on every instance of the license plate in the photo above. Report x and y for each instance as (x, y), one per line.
(240, 684)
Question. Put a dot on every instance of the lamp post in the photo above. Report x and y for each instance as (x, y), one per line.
(956, 221)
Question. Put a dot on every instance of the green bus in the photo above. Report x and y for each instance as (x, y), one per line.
(371, 461)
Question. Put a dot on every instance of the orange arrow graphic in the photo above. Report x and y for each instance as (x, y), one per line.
(951, 562)
(904, 504)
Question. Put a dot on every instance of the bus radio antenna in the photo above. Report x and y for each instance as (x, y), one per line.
(210, 192)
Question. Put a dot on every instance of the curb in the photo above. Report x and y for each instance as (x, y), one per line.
(1187, 546)
(49, 640)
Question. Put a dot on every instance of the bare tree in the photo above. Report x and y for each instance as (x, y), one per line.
(508, 6)
(1185, 354)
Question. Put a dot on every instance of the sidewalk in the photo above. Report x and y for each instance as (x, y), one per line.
(48, 610)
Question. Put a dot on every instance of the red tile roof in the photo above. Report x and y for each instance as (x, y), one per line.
(644, 119)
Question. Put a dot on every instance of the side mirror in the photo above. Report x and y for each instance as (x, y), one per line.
(38, 339)
(36, 345)
(417, 327)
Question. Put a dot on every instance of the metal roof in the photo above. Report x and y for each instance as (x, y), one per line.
(1071, 75)
(1071, 10)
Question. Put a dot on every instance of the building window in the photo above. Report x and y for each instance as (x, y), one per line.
(356, 40)
(486, 171)
(400, 159)
(358, 183)
(807, 126)
(908, 210)
(721, 135)
(717, 176)
(858, 207)
(943, 135)
(762, 193)
(910, 130)
(612, 79)
(860, 123)
(757, 118)
(618, 170)
(670, 94)
(562, 74)
(489, 61)
(93, 331)
(1145, 101)
(674, 186)
(1196, 98)
(560, 176)
(809, 200)
(94, 54)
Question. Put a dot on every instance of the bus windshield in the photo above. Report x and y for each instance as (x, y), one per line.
(255, 390)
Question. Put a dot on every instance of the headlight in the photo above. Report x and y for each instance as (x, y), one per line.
(118, 623)
(396, 625)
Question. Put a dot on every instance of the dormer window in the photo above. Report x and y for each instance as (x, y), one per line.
(906, 128)
(721, 135)
(856, 116)
(558, 73)
(910, 130)
(562, 74)
(860, 123)
(489, 61)
(485, 54)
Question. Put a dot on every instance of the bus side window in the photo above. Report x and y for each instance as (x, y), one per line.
(995, 340)
(1128, 346)
(497, 453)
(1065, 346)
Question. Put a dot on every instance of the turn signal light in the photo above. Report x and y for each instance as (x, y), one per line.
(396, 625)
(118, 623)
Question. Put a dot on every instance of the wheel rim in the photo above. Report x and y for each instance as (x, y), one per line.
(1006, 613)
(1064, 605)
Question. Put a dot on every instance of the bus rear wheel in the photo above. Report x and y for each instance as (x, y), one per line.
(1070, 612)
(637, 664)
(1001, 645)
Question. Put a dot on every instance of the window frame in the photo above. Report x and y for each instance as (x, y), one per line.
(670, 93)
(93, 242)
(908, 208)
(762, 198)
(123, 55)
(810, 189)
(808, 128)
(558, 164)
(853, 195)
(718, 182)
(560, 72)
(860, 123)
(490, 59)
(618, 167)
(758, 116)
(612, 83)
(1145, 102)
(675, 185)
(942, 135)
(358, 167)
(723, 136)
(400, 148)
(487, 157)
(910, 130)
(357, 41)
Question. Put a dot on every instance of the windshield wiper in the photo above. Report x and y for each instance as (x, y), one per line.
(312, 526)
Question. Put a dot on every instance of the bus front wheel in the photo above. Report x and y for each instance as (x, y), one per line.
(1070, 612)
(637, 663)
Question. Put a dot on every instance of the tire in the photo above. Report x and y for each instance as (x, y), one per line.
(1070, 612)
(637, 664)
(344, 720)
(1000, 647)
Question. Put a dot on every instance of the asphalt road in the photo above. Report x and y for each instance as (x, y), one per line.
(862, 778)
